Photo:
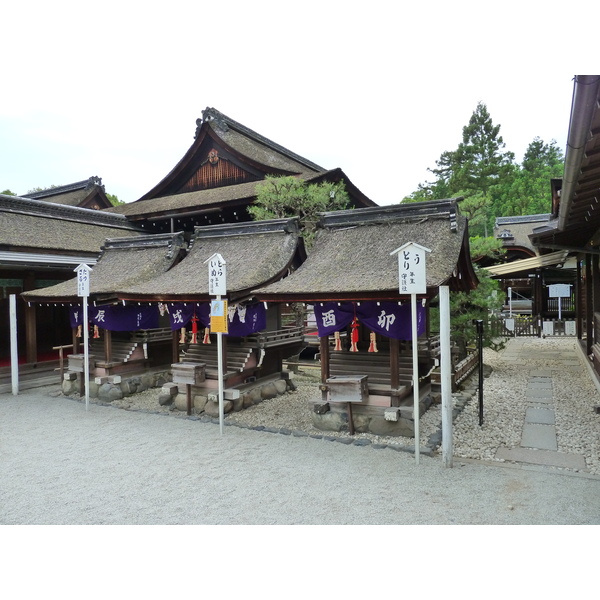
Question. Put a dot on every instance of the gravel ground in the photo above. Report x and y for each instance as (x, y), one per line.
(577, 425)
(61, 464)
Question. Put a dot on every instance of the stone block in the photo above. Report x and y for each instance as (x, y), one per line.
(108, 392)
(212, 408)
(281, 386)
(269, 391)
(165, 399)
(329, 421)
(320, 408)
(170, 388)
(114, 379)
(68, 376)
(100, 380)
(199, 402)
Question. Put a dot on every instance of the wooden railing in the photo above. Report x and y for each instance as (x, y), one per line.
(268, 339)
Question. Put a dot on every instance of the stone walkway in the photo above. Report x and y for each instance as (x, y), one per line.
(538, 440)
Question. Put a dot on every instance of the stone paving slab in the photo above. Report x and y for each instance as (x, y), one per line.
(540, 415)
(540, 384)
(539, 393)
(542, 437)
(541, 373)
(542, 457)
(542, 401)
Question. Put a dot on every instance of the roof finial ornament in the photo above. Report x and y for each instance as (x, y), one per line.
(212, 114)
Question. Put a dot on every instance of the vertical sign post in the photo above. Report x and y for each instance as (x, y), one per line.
(446, 374)
(83, 291)
(217, 286)
(412, 280)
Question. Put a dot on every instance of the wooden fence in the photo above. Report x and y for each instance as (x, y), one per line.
(528, 326)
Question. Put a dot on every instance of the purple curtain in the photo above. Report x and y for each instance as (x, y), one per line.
(180, 313)
(387, 318)
(245, 320)
(117, 317)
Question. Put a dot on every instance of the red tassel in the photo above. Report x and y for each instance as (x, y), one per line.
(354, 335)
(338, 341)
(182, 337)
(194, 329)
(96, 332)
(373, 344)
(206, 339)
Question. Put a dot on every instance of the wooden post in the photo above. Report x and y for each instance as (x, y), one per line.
(589, 308)
(579, 301)
(30, 322)
(395, 369)
(108, 346)
(324, 350)
(175, 346)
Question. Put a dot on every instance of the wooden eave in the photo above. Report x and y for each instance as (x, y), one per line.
(579, 208)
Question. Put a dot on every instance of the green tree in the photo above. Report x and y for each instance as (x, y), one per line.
(465, 307)
(528, 193)
(475, 170)
(114, 200)
(288, 196)
(8, 193)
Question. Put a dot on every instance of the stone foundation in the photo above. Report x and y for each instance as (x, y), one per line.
(115, 387)
(394, 421)
(235, 399)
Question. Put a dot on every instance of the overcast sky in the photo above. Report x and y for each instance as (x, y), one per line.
(113, 89)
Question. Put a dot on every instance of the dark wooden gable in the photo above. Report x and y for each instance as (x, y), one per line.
(226, 153)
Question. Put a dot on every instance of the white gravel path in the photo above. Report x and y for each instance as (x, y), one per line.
(61, 464)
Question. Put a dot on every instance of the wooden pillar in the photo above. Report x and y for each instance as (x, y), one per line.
(75, 340)
(30, 333)
(595, 295)
(175, 347)
(579, 301)
(107, 346)
(30, 321)
(394, 368)
(538, 294)
(324, 350)
(589, 305)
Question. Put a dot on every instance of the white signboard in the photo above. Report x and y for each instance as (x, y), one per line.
(217, 275)
(559, 290)
(548, 327)
(411, 268)
(570, 328)
(83, 280)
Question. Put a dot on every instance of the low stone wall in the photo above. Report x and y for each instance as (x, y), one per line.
(203, 402)
(393, 421)
(115, 387)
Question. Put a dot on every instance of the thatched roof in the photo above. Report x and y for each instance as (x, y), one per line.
(209, 198)
(515, 231)
(351, 258)
(28, 224)
(253, 145)
(256, 254)
(84, 193)
(124, 262)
